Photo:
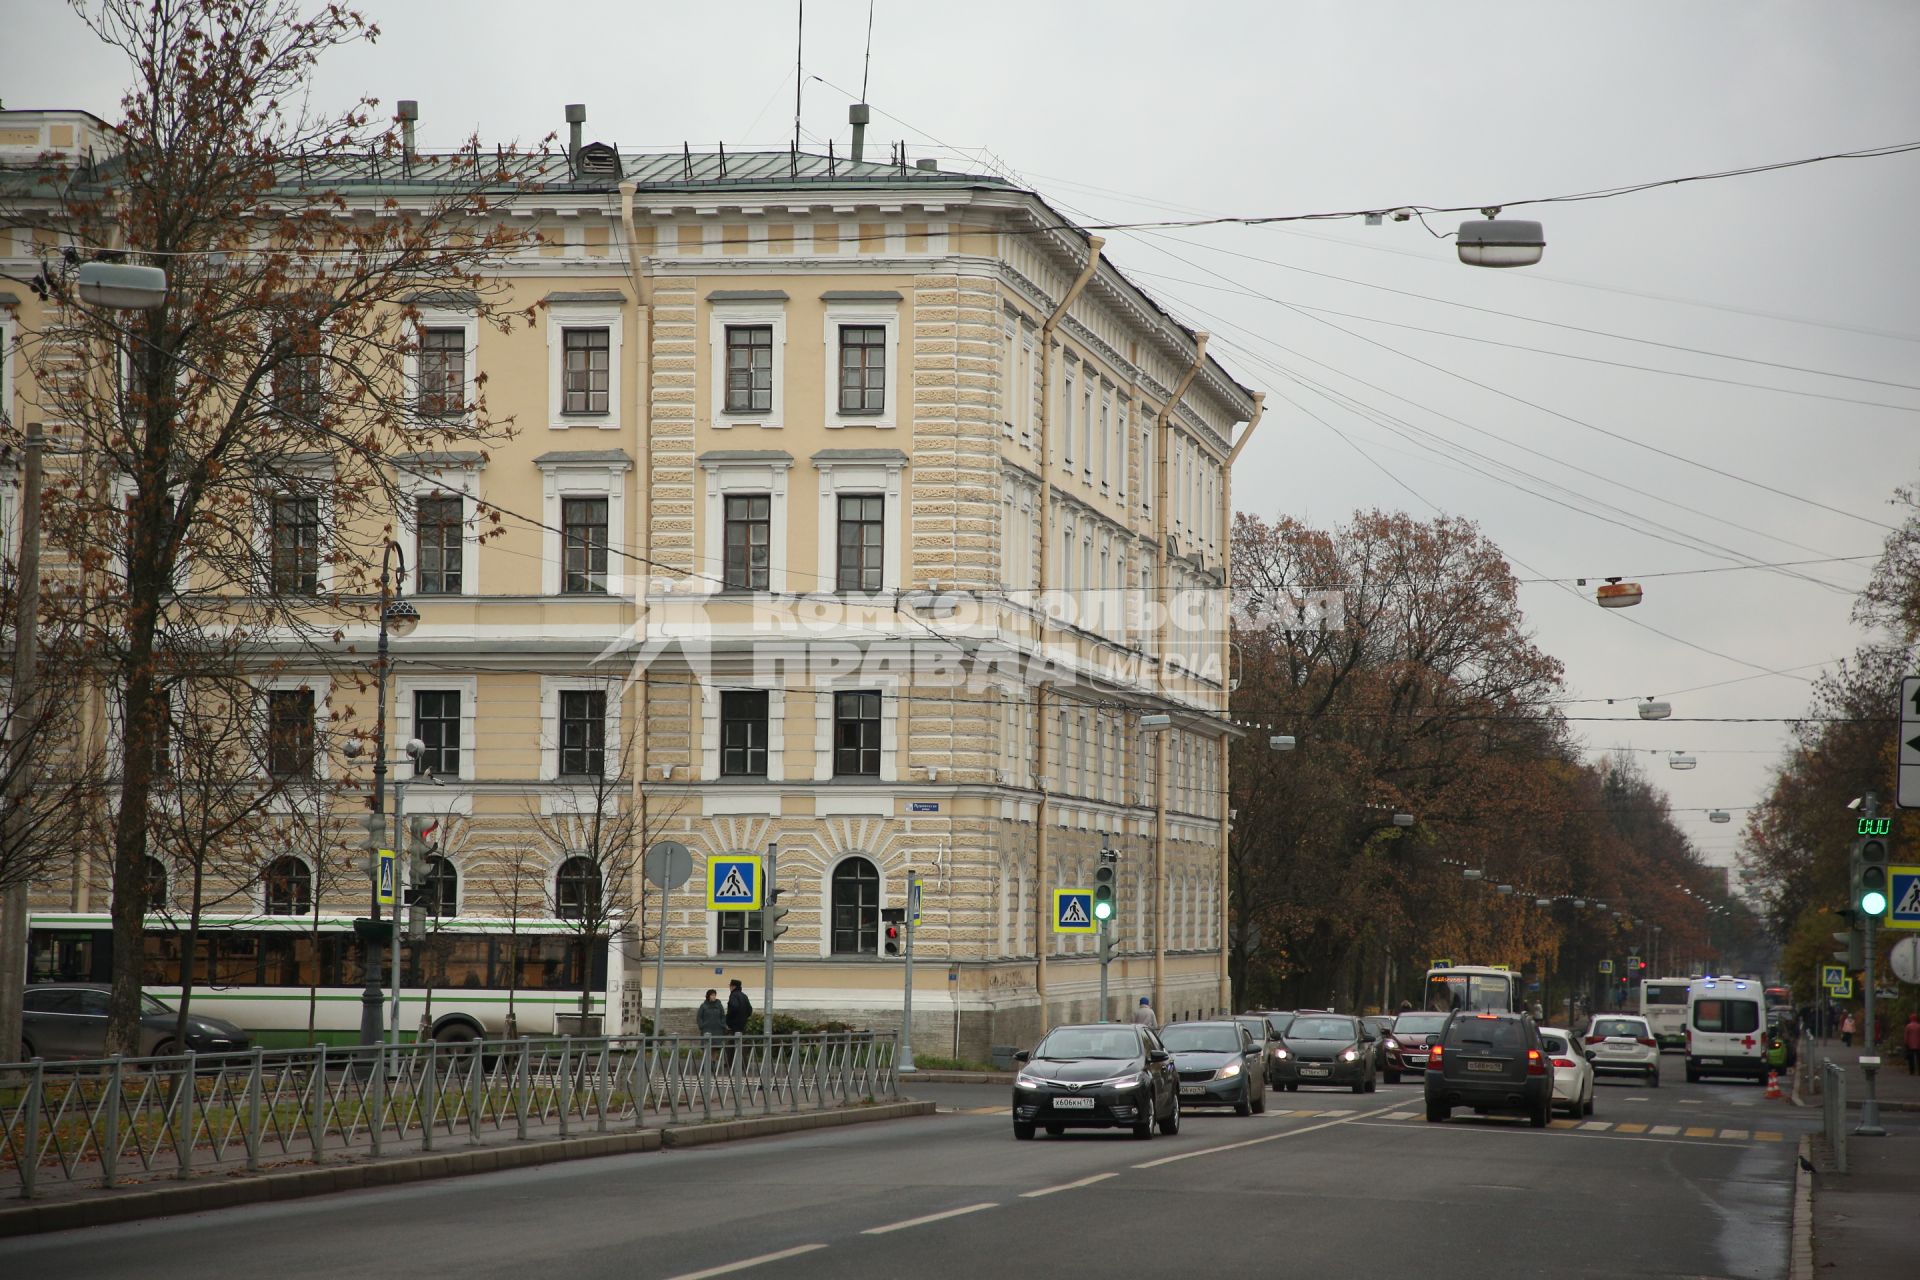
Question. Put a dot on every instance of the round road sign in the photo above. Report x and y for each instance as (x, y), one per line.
(669, 865)
(1905, 958)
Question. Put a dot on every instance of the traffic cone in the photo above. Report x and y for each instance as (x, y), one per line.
(1773, 1086)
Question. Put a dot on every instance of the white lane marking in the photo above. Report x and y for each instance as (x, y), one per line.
(1254, 1142)
(1688, 1102)
(1519, 1130)
(1735, 1135)
(744, 1263)
(1664, 1130)
(1401, 1115)
(932, 1217)
(1068, 1186)
(1642, 1099)
(1597, 1126)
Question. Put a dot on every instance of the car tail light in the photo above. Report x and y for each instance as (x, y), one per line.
(1650, 1042)
(1595, 1039)
(1433, 1055)
(1563, 1062)
(1536, 1065)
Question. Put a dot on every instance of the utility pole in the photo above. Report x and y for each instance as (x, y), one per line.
(768, 923)
(906, 1004)
(26, 661)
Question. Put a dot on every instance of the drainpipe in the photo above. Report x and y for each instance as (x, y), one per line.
(1162, 584)
(1042, 904)
(1226, 659)
(640, 535)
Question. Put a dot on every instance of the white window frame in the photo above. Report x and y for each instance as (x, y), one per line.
(1120, 429)
(329, 522)
(461, 480)
(874, 313)
(826, 901)
(889, 689)
(855, 476)
(776, 733)
(322, 687)
(1086, 427)
(439, 317)
(583, 479)
(745, 476)
(468, 687)
(723, 312)
(1067, 372)
(562, 316)
(551, 688)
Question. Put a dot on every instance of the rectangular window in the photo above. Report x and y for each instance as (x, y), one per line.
(740, 932)
(856, 735)
(749, 368)
(290, 733)
(1065, 447)
(1106, 442)
(583, 733)
(440, 527)
(1086, 430)
(862, 541)
(749, 541)
(436, 722)
(443, 372)
(296, 545)
(863, 368)
(743, 733)
(583, 530)
(588, 355)
(297, 387)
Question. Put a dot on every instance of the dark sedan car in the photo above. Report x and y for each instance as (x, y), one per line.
(1403, 1049)
(1277, 1020)
(1219, 1064)
(1490, 1062)
(1098, 1076)
(68, 1021)
(1325, 1048)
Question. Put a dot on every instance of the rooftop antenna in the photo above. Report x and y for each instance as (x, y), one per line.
(799, 80)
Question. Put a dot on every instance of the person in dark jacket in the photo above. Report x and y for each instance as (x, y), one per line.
(739, 1009)
(712, 1017)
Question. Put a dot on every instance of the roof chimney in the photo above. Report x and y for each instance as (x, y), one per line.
(929, 164)
(409, 111)
(576, 116)
(857, 117)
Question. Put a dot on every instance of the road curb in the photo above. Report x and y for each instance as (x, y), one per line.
(100, 1207)
(955, 1077)
(1800, 1244)
(700, 1135)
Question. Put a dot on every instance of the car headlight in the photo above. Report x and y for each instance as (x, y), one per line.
(1029, 1082)
(1391, 1043)
(1124, 1082)
(1351, 1055)
(1228, 1072)
(1280, 1055)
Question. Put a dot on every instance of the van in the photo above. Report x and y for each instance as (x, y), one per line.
(1726, 1029)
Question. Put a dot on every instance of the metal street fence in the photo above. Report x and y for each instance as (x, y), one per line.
(119, 1120)
(1833, 1111)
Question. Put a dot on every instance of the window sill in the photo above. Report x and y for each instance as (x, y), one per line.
(841, 424)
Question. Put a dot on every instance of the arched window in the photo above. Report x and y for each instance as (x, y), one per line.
(856, 908)
(440, 891)
(289, 887)
(156, 883)
(577, 889)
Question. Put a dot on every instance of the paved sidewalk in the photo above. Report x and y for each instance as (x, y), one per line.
(1863, 1220)
(1896, 1090)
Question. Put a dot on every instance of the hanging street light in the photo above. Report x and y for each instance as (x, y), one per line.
(1500, 242)
(1655, 710)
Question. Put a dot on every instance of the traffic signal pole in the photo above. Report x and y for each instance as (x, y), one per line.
(1870, 1126)
(906, 1003)
(1106, 957)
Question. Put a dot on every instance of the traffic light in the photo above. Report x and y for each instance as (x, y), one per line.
(772, 927)
(1852, 951)
(893, 931)
(1106, 883)
(376, 837)
(1869, 874)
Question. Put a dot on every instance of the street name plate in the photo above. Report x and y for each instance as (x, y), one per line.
(1908, 791)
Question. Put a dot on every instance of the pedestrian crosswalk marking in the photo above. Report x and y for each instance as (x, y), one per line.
(1664, 1130)
(1737, 1135)
(1767, 1135)
(1566, 1124)
(1598, 1126)
(1630, 1128)
(1700, 1133)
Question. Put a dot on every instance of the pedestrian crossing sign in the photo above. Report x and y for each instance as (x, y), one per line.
(389, 874)
(1073, 911)
(1843, 990)
(733, 882)
(1832, 975)
(1903, 904)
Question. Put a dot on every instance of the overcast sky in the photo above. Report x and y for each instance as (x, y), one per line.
(1146, 111)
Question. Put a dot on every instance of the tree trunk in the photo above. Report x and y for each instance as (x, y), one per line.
(188, 962)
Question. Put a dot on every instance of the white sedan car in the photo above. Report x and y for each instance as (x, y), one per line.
(1572, 1073)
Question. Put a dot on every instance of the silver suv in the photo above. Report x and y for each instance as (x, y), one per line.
(1623, 1044)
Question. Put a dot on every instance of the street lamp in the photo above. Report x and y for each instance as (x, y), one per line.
(397, 617)
(1500, 242)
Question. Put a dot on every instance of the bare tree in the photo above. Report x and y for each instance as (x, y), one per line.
(239, 434)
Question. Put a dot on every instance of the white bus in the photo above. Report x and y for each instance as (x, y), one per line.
(1663, 1003)
(1475, 988)
(292, 980)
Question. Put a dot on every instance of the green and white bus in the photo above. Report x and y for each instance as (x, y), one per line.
(297, 980)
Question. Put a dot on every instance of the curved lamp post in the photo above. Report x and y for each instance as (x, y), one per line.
(397, 617)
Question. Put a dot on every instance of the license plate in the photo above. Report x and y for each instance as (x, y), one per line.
(1192, 1090)
(1709, 1062)
(1419, 1061)
(1073, 1104)
(1487, 1066)
(1316, 1071)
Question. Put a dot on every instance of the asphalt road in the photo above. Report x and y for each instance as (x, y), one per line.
(1684, 1180)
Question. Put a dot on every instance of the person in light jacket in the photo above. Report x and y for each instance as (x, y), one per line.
(1143, 1015)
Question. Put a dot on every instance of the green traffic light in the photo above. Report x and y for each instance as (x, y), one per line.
(1103, 910)
(1873, 903)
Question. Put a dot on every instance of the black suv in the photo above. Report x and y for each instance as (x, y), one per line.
(1490, 1062)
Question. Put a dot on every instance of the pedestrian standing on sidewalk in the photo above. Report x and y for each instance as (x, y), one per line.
(1846, 1030)
(712, 1023)
(1913, 1044)
(739, 1009)
(1143, 1015)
